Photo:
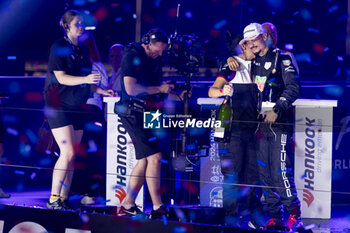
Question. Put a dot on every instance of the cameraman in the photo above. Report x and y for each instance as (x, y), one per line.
(141, 80)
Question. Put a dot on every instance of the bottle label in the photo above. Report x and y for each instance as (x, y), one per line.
(219, 132)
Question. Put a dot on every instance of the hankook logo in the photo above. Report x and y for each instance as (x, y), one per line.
(308, 197)
(120, 193)
(309, 161)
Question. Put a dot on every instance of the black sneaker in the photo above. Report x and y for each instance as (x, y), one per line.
(56, 205)
(133, 211)
(67, 206)
(160, 212)
(3, 194)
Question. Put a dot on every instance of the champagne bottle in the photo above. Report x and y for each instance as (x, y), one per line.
(225, 115)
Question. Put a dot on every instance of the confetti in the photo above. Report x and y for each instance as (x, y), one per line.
(33, 175)
(188, 14)
(314, 30)
(118, 19)
(276, 4)
(35, 97)
(172, 12)
(95, 186)
(226, 163)
(12, 131)
(165, 221)
(20, 187)
(101, 13)
(343, 17)
(84, 218)
(215, 33)
(164, 161)
(45, 161)
(334, 90)
(305, 14)
(261, 163)
(160, 133)
(340, 58)
(74, 198)
(14, 87)
(136, 61)
(289, 46)
(61, 51)
(79, 2)
(220, 24)
(24, 149)
(18, 172)
(190, 146)
(92, 127)
(63, 184)
(318, 48)
(179, 230)
(303, 57)
(32, 136)
(333, 9)
(236, 3)
(190, 187)
(223, 151)
(92, 146)
(157, 3)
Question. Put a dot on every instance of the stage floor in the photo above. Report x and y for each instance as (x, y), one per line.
(340, 221)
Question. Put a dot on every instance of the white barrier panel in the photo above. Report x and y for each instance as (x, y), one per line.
(210, 172)
(120, 158)
(313, 156)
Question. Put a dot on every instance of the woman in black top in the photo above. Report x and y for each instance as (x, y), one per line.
(68, 85)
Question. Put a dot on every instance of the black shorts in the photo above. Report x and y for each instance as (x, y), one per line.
(145, 142)
(64, 116)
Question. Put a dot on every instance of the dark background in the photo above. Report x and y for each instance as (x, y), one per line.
(316, 29)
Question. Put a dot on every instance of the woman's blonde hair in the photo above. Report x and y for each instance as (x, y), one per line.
(67, 18)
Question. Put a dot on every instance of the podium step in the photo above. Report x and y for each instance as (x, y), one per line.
(197, 214)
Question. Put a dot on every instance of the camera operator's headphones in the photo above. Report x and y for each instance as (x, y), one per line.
(154, 34)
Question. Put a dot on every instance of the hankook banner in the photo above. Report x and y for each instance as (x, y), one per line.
(313, 156)
(120, 158)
